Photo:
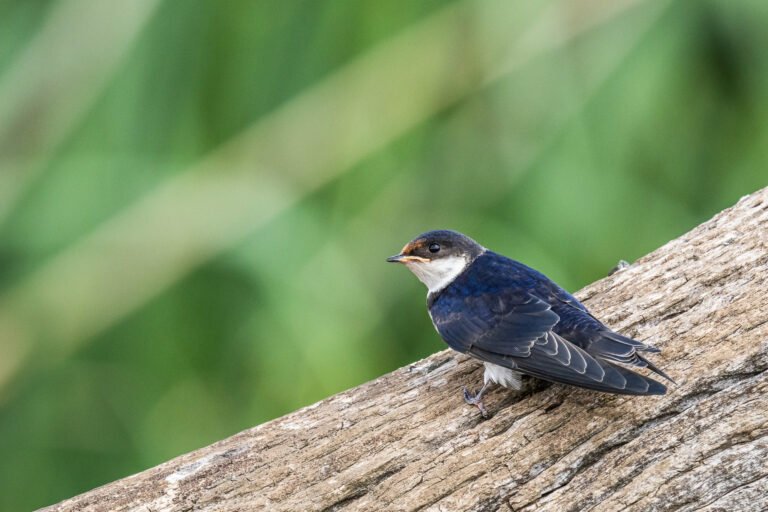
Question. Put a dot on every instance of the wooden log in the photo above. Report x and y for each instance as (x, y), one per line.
(407, 441)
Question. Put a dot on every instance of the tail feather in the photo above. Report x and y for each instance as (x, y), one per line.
(655, 368)
(624, 340)
(617, 379)
(579, 369)
(615, 347)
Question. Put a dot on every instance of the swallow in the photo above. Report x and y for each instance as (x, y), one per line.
(517, 321)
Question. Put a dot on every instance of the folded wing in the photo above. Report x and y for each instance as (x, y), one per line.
(517, 330)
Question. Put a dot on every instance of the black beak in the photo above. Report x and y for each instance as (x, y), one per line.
(406, 258)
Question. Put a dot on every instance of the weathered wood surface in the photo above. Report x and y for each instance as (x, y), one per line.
(406, 441)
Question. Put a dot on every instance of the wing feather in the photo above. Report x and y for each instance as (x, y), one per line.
(516, 331)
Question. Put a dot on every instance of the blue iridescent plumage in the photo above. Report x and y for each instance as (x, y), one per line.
(506, 313)
(516, 320)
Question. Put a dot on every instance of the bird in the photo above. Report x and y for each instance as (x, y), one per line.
(517, 321)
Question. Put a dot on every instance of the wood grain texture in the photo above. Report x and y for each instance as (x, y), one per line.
(407, 441)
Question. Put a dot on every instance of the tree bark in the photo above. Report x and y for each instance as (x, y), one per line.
(407, 441)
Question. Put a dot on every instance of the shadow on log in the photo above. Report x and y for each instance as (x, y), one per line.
(407, 441)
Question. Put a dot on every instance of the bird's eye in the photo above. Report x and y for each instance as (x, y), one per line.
(434, 247)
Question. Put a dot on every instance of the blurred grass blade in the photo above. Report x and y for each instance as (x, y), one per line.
(55, 80)
(557, 26)
(304, 144)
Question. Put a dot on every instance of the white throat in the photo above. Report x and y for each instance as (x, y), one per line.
(439, 273)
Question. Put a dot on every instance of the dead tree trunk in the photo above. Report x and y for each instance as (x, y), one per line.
(406, 441)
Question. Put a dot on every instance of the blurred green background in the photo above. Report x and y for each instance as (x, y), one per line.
(197, 197)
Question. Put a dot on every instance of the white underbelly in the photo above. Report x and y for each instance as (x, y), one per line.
(502, 376)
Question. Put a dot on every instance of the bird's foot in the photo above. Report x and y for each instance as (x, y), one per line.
(476, 400)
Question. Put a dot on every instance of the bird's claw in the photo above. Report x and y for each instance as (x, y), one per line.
(476, 400)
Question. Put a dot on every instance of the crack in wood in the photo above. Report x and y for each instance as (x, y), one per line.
(407, 441)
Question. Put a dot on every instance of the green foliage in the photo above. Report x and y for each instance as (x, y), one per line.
(197, 197)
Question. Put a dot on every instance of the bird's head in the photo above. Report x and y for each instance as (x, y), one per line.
(438, 257)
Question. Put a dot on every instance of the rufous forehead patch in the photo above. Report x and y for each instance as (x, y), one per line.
(413, 246)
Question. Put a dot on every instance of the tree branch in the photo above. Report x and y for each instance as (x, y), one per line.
(406, 441)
